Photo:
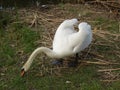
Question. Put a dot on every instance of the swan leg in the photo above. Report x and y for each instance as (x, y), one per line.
(57, 62)
(76, 58)
(75, 62)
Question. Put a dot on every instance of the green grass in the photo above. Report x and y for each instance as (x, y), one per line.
(82, 80)
(105, 23)
(17, 41)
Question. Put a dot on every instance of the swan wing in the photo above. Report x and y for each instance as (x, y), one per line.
(83, 44)
(80, 41)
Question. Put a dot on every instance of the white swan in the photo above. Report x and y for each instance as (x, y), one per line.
(66, 42)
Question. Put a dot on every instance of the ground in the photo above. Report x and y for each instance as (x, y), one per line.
(25, 29)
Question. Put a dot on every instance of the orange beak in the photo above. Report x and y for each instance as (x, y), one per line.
(22, 72)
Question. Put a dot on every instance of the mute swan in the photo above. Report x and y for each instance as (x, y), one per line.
(66, 42)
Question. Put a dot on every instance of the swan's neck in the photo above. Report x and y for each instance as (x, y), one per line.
(45, 50)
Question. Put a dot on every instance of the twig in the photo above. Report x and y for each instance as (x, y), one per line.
(101, 60)
(103, 37)
(50, 38)
(99, 63)
(113, 5)
(94, 54)
(118, 56)
(34, 22)
(106, 32)
(60, 68)
(110, 80)
(104, 4)
(105, 70)
(88, 51)
(101, 44)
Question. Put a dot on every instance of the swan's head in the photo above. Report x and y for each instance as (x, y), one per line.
(24, 69)
(84, 26)
(69, 23)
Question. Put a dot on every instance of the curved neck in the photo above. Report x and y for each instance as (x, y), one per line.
(45, 50)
